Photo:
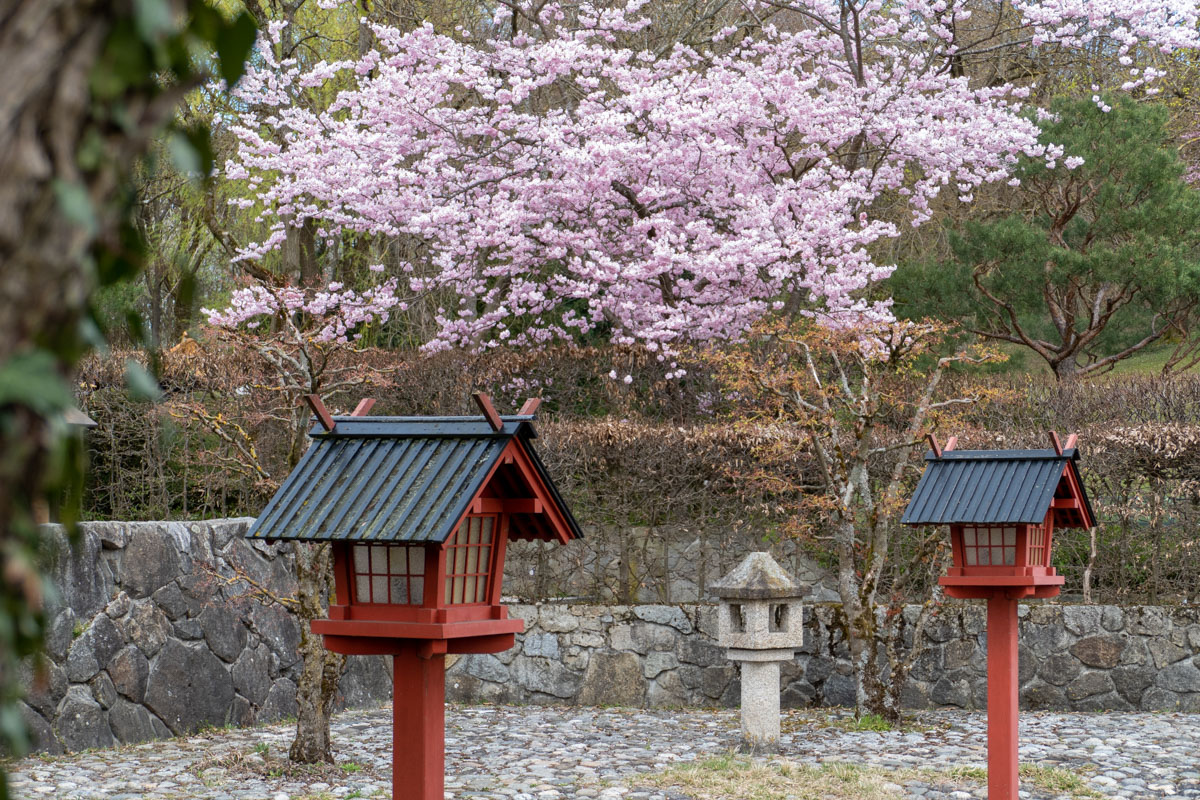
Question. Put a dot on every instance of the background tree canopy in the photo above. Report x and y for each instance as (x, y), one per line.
(1084, 265)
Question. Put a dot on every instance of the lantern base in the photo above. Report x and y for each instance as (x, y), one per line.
(371, 637)
(1002, 580)
(976, 592)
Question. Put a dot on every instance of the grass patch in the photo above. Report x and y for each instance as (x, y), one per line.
(795, 721)
(978, 774)
(736, 777)
(868, 722)
(260, 762)
(1033, 776)
(733, 777)
(1057, 779)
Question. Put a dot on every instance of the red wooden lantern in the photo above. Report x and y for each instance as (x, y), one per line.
(418, 512)
(1002, 507)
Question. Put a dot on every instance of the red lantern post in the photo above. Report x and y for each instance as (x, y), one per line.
(419, 512)
(1002, 507)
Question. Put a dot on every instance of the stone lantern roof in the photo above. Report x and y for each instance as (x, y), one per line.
(758, 577)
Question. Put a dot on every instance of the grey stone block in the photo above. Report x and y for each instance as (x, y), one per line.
(280, 702)
(279, 630)
(1046, 639)
(366, 681)
(958, 654)
(672, 616)
(1110, 701)
(1042, 696)
(46, 685)
(1060, 669)
(82, 724)
(544, 645)
(251, 674)
(170, 599)
(797, 694)
(1112, 619)
(151, 562)
(486, 667)
(42, 737)
(103, 690)
(656, 663)
(223, 631)
(112, 535)
(1099, 651)
(556, 618)
(1180, 678)
(83, 577)
(1082, 620)
(1146, 620)
(188, 688)
(60, 633)
(551, 678)
(131, 723)
(129, 670)
(952, 690)
(1131, 682)
(188, 630)
(1089, 684)
(81, 661)
(839, 690)
(1165, 653)
(118, 606)
(147, 627)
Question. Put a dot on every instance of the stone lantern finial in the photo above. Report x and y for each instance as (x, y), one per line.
(761, 625)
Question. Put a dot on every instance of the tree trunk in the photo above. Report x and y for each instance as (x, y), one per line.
(154, 281)
(316, 691)
(1065, 370)
(300, 253)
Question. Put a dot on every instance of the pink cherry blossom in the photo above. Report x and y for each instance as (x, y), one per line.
(565, 179)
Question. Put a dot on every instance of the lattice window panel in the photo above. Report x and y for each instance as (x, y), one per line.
(469, 562)
(990, 546)
(389, 574)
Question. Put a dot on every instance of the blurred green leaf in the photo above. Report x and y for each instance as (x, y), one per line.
(233, 45)
(141, 383)
(31, 379)
(153, 18)
(76, 205)
(183, 153)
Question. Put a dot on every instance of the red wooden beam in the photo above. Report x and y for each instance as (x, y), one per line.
(322, 413)
(951, 443)
(363, 408)
(933, 445)
(1058, 448)
(531, 406)
(508, 505)
(1071, 440)
(489, 411)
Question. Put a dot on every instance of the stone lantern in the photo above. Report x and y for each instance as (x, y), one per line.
(761, 624)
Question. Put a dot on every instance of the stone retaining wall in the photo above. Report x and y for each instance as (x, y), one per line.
(1073, 658)
(152, 635)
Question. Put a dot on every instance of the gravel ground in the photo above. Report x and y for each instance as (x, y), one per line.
(546, 753)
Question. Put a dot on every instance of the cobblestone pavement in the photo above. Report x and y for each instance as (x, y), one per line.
(539, 753)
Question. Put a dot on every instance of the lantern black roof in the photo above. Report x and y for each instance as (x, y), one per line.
(407, 479)
(995, 487)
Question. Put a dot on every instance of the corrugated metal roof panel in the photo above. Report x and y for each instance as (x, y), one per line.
(387, 478)
(987, 487)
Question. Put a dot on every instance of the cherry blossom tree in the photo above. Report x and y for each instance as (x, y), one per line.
(560, 180)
